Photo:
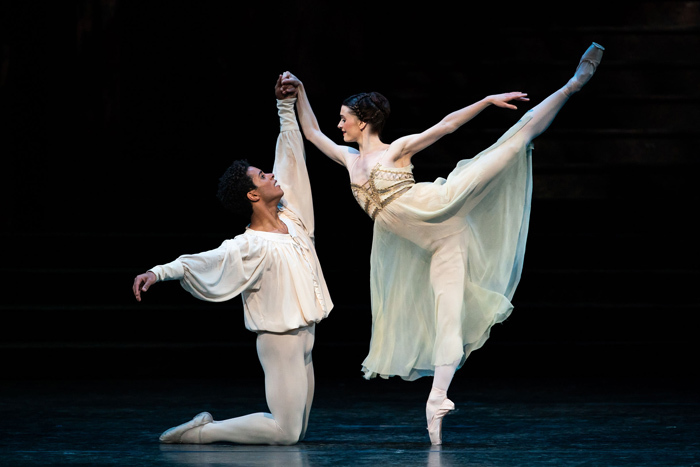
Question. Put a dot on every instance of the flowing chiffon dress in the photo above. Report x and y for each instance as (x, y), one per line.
(446, 256)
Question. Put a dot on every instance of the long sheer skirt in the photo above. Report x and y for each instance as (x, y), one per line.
(446, 259)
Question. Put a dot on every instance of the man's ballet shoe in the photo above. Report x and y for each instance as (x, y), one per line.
(189, 432)
(586, 67)
(435, 423)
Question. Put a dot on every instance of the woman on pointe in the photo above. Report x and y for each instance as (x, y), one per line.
(446, 256)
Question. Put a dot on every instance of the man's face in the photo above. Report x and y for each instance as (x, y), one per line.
(267, 187)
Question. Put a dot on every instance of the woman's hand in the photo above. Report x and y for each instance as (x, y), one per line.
(502, 100)
(284, 90)
(289, 79)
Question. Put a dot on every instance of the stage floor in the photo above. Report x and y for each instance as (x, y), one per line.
(500, 422)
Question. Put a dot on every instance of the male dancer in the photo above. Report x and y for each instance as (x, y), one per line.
(274, 267)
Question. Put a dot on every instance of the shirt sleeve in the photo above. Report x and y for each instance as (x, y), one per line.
(216, 275)
(290, 166)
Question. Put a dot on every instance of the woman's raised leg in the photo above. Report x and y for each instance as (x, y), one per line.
(543, 113)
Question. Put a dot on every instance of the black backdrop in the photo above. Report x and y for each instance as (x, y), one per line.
(118, 117)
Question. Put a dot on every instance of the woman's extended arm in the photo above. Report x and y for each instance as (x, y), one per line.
(407, 146)
(309, 124)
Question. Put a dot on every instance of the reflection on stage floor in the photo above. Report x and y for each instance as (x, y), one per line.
(499, 422)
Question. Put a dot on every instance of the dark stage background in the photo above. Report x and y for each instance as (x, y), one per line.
(118, 117)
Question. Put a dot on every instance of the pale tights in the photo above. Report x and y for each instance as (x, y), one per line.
(289, 389)
(542, 116)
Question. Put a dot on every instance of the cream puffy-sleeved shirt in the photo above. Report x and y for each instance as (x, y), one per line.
(278, 276)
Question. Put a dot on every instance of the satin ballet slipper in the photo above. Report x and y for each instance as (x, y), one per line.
(586, 67)
(435, 422)
(189, 432)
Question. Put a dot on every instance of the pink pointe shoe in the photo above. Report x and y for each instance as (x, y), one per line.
(189, 432)
(435, 422)
(586, 67)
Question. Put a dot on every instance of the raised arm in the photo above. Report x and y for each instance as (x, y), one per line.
(290, 166)
(404, 148)
(310, 127)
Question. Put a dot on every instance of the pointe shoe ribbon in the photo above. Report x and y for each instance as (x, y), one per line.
(435, 424)
(184, 434)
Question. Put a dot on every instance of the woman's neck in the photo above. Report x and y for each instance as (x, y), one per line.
(370, 144)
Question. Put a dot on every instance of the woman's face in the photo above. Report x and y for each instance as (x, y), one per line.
(349, 124)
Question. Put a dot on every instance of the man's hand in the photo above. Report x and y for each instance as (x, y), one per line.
(284, 91)
(142, 283)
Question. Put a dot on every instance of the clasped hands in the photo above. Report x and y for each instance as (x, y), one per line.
(286, 86)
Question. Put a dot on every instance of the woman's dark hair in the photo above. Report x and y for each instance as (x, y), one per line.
(234, 186)
(372, 108)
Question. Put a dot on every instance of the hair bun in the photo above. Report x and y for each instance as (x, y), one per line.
(380, 102)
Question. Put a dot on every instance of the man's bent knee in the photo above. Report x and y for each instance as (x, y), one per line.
(288, 437)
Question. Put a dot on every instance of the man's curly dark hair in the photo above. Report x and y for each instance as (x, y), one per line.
(234, 186)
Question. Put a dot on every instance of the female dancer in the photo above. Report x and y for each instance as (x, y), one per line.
(446, 256)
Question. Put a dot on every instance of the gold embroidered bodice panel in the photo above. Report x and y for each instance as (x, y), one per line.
(384, 185)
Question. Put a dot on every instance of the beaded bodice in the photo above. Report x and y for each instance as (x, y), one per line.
(385, 184)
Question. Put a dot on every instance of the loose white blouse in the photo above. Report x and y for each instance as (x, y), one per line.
(278, 276)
